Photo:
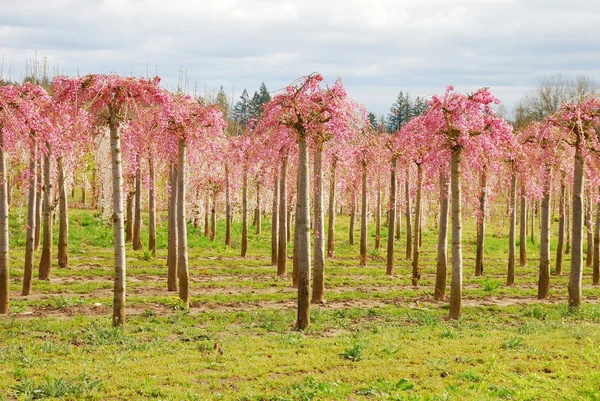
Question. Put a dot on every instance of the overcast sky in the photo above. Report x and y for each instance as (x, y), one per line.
(378, 47)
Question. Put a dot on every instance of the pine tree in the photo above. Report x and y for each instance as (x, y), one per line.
(222, 103)
(241, 110)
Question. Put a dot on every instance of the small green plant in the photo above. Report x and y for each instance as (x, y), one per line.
(470, 376)
(489, 285)
(535, 311)
(60, 387)
(512, 343)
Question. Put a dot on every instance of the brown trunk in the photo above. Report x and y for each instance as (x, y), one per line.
(63, 227)
(544, 274)
(206, 213)
(288, 226)
(456, 283)
(94, 189)
(408, 216)
(173, 245)
(213, 218)
(398, 210)
(295, 276)
(363, 218)
(576, 274)
(129, 220)
(331, 213)
(38, 206)
(596, 264)
(481, 223)
(442, 257)
(275, 220)
(523, 228)
(244, 250)
(533, 212)
(416, 269)
(228, 209)
(119, 241)
(151, 208)
(589, 260)
(4, 244)
(561, 226)
(282, 252)
(352, 221)
(303, 228)
(568, 225)
(31, 218)
(392, 219)
(137, 223)
(45, 265)
(510, 278)
(182, 251)
(257, 216)
(378, 220)
(319, 227)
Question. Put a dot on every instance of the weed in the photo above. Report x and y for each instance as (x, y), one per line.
(60, 387)
(512, 343)
(489, 285)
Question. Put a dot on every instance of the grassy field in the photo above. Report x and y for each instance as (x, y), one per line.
(377, 337)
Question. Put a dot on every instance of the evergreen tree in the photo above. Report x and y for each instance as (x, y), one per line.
(241, 110)
(265, 97)
(373, 121)
(222, 103)
(403, 109)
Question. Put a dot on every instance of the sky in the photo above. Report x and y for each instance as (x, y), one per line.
(378, 47)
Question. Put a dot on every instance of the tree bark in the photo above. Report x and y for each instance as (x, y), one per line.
(457, 265)
(45, 265)
(38, 205)
(523, 228)
(275, 221)
(303, 228)
(173, 245)
(442, 257)
(257, 211)
(137, 223)
(282, 252)
(533, 211)
(378, 220)
(544, 275)
(398, 210)
(31, 218)
(119, 242)
(596, 264)
(319, 227)
(331, 214)
(363, 218)
(182, 252)
(408, 216)
(561, 226)
(392, 219)
(244, 250)
(206, 213)
(589, 260)
(510, 278)
(151, 208)
(213, 218)
(416, 269)
(481, 224)
(568, 226)
(4, 244)
(576, 274)
(352, 220)
(63, 211)
(228, 209)
(129, 220)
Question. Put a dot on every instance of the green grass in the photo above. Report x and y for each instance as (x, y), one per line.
(377, 337)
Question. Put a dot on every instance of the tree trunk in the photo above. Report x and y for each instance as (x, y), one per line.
(363, 218)
(319, 227)
(510, 278)
(533, 211)
(589, 260)
(398, 210)
(295, 276)
(63, 227)
(275, 221)
(392, 219)
(596, 270)
(561, 226)
(151, 208)
(481, 224)
(119, 242)
(94, 185)
(213, 218)
(523, 228)
(31, 218)
(4, 244)
(129, 221)
(257, 217)
(352, 220)
(331, 214)
(182, 251)
(456, 283)
(303, 227)
(378, 220)
(544, 278)
(282, 252)
(442, 257)
(45, 265)
(228, 209)
(137, 223)
(173, 245)
(576, 274)
(206, 213)
(407, 217)
(38, 206)
(244, 250)
(568, 226)
(416, 269)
